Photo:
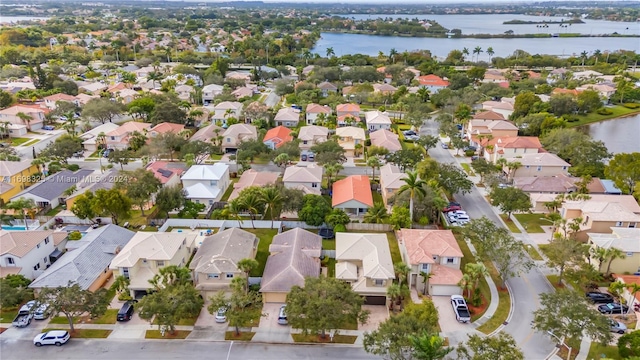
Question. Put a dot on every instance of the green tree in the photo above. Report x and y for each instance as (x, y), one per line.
(629, 345)
(168, 111)
(73, 301)
(567, 314)
(14, 290)
(84, 206)
(483, 168)
(510, 199)
(500, 347)
(624, 170)
(142, 107)
(589, 101)
(429, 347)
(121, 286)
(112, 202)
(312, 308)
(253, 203)
(170, 198)
(328, 152)
(414, 186)
(337, 217)
(241, 307)
(524, 104)
(453, 179)
(314, 210)
(374, 163)
(63, 148)
(586, 156)
(102, 109)
(331, 170)
(392, 339)
(272, 198)
(564, 252)
(23, 206)
(191, 209)
(400, 218)
(406, 158)
(120, 156)
(137, 140)
(140, 185)
(246, 266)
(377, 214)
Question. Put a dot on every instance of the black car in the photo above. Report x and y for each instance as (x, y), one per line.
(613, 308)
(599, 298)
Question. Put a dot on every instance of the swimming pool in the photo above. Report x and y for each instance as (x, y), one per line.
(14, 228)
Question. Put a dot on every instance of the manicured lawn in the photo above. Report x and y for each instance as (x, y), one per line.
(393, 246)
(597, 351)
(178, 334)
(243, 336)
(86, 333)
(340, 339)
(266, 236)
(467, 169)
(7, 315)
(215, 157)
(330, 264)
(54, 211)
(617, 111)
(533, 252)
(328, 244)
(484, 287)
(108, 318)
(504, 304)
(227, 193)
(183, 322)
(62, 320)
(377, 198)
(19, 141)
(532, 222)
(512, 227)
(34, 141)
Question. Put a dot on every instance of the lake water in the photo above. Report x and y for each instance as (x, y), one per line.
(14, 19)
(344, 44)
(619, 135)
(493, 24)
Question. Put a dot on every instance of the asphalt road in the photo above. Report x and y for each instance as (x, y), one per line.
(525, 288)
(175, 349)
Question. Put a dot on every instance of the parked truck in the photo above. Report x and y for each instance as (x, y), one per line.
(460, 308)
(24, 315)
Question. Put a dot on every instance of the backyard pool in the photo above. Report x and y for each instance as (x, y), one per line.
(13, 228)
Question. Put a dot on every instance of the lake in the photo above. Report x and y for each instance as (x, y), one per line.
(493, 24)
(344, 44)
(619, 135)
(14, 19)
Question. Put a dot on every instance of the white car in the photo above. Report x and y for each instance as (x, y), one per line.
(53, 337)
(41, 312)
(221, 315)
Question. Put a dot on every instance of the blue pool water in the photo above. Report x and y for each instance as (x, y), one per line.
(14, 228)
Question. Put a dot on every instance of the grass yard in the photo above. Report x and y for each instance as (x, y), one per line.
(328, 244)
(243, 336)
(32, 142)
(533, 253)
(266, 236)
(467, 169)
(178, 334)
(62, 320)
(19, 141)
(597, 351)
(108, 318)
(512, 227)
(7, 315)
(215, 157)
(54, 211)
(484, 286)
(504, 304)
(86, 333)
(339, 339)
(330, 264)
(617, 111)
(377, 198)
(395, 249)
(183, 322)
(227, 193)
(532, 222)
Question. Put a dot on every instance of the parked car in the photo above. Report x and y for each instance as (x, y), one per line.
(53, 337)
(459, 126)
(48, 127)
(282, 316)
(454, 203)
(42, 312)
(311, 157)
(445, 146)
(221, 315)
(126, 311)
(24, 315)
(460, 308)
(303, 157)
(409, 132)
(106, 153)
(599, 297)
(613, 308)
(618, 327)
(470, 148)
(452, 208)
(475, 157)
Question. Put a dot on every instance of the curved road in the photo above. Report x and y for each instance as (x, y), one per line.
(526, 288)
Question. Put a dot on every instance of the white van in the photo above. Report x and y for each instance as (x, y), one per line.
(282, 316)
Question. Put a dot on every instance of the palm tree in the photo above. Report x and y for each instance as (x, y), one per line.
(246, 266)
(596, 54)
(477, 51)
(466, 284)
(282, 160)
(373, 162)
(4, 128)
(429, 347)
(425, 280)
(377, 214)
(633, 290)
(414, 186)
(612, 254)
(402, 270)
(476, 272)
(154, 76)
(583, 56)
(272, 198)
(490, 52)
(22, 205)
(423, 94)
(330, 52)
(465, 52)
(332, 169)
(394, 291)
(392, 54)
(251, 203)
(232, 211)
(357, 149)
(26, 119)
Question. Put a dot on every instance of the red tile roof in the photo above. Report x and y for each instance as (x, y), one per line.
(354, 187)
(279, 135)
(432, 80)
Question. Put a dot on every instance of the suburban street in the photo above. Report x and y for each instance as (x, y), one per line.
(175, 349)
(526, 288)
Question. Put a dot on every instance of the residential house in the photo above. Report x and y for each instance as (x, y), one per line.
(146, 253)
(572, 92)
(14, 130)
(391, 179)
(327, 88)
(49, 193)
(432, 82)
(209, 92)
(600, 213)
(384, 89)
(632, 299)
(93, 182)
(167, 172)
(305, 178)
(83, 99)
(164, 128)
(215, 264)
(119, 138)
(557, 184)
(91, 139)
(434, 252)
(237, 75)
(16, 176)
(352, 194)
(542, 164)
(348, 109)
(479, 132)
(288, 117)
(252, 177)
(28, 253)
(511, 147)
(557, 74)
(586, 75)
(603, 186)
(227, 109)
(364, 262)
(349, 137)
(312, 135)
(88, 263)
(184, 92)
(501, 107)
(206, 183)
(385, 139)
(494, 76)
(347, 120)
(127, 95)
(276, 137)
(605, 91)
(625, 239)
(51, 101)
(294, 255)
(488, 115)
(242, 92)
(94, 88)
(314, 110)
(30, 116)
(208, 133)
(377, 120)
(237, 133)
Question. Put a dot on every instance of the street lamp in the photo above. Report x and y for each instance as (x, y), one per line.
(561, 343)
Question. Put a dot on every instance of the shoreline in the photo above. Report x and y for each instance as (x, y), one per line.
(635, 112)
(486, 36)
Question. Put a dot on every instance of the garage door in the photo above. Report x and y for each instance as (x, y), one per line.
(275, 297)
(446, 290)
(375, 300)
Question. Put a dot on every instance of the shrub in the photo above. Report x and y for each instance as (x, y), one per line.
(631, 105)
(73, 167)
(75, 235)
(604, 111)
(340, 228)
(469, 153)
(124, 296)
(423, 221)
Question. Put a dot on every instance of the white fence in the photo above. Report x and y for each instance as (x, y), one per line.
(222, 224)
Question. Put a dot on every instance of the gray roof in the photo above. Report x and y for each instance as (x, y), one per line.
(86, 263)
(53, 186)
(295, 255)
(220, 253)
(610, 187)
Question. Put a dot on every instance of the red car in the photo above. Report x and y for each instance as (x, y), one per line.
(452, 208)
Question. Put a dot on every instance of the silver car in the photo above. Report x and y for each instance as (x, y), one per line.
(221, 315)
(618, 327)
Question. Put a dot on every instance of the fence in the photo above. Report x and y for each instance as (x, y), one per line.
(222, 224)
(331, 254)
(369, 227)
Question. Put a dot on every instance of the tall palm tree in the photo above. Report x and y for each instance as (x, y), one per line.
(394, 291)
(332, 169)
(330, 52)
(272, 198)
(4, 128)
(232, 211)
(429, 347)
(414, 186)
(392, 55)
(246, 265)
(612, 254)
(22, 206)
(490, 52)
(465, 52)
(251, 203)
(402, 271)
(377, 214)
(373, 162)
(477, 51)
(423, 94)
(425, 280)
(26, 119)
(476, 271)
(154, 76)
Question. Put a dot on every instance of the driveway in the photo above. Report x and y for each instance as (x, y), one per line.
(269, 330)
(377, 315)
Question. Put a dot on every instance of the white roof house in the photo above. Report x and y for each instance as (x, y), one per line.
(206, 183)
(288, 117)
(90, 137)
(305, 178)
(377, 120)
